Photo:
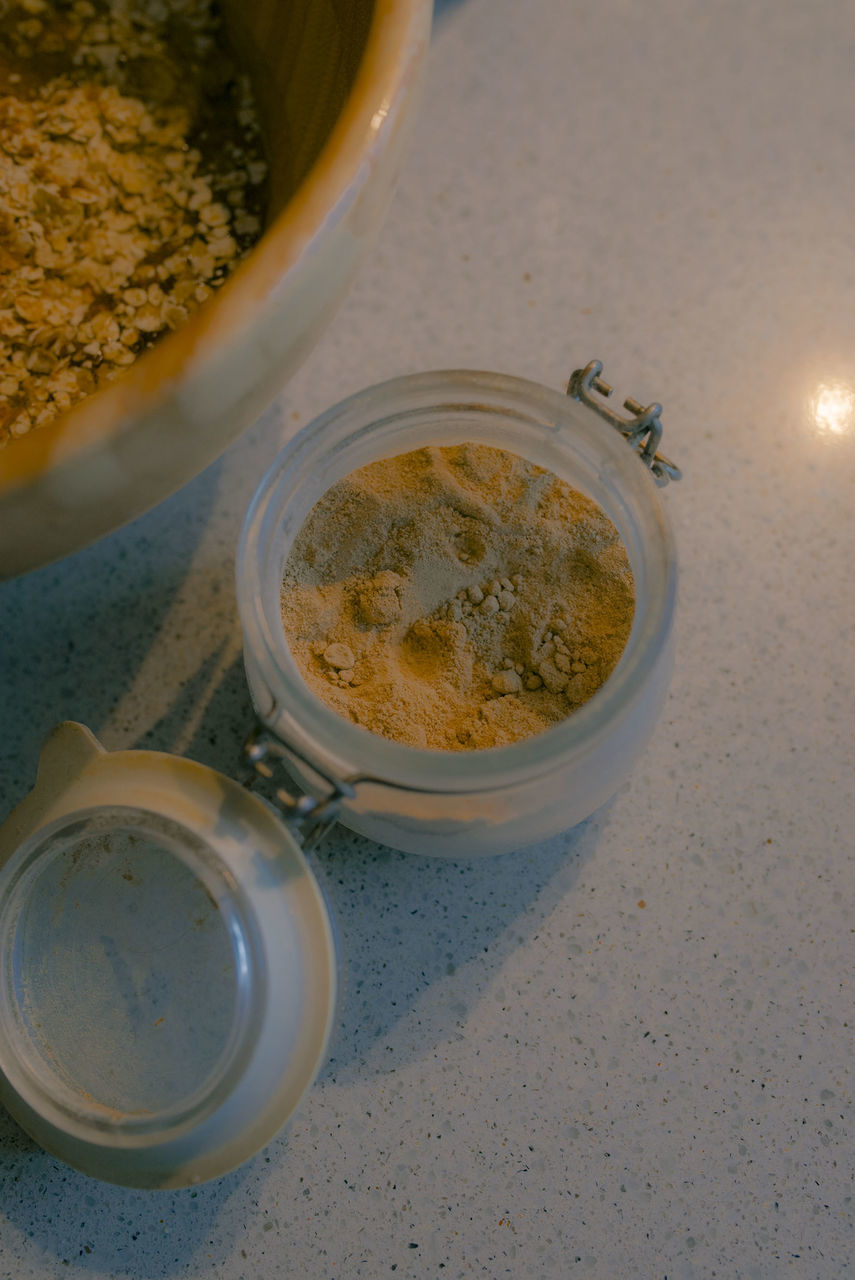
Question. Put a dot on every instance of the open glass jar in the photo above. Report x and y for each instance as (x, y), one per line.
(461, 803)
(168, 964)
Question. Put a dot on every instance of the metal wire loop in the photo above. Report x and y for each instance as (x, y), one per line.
(643, 430)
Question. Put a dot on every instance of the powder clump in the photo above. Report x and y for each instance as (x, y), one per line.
(456, 598)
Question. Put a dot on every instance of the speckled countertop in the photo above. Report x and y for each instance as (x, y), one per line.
(628, 1052)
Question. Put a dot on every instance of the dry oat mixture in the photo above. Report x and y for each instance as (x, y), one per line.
(131, 183)
(456, 598)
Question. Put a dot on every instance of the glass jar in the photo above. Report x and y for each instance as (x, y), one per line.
(460, 803)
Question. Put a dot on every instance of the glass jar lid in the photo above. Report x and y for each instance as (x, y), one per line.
(167, 965)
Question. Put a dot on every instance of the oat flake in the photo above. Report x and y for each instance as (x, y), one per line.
(118, 146)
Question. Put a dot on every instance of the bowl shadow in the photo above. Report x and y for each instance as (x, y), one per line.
(74, 634)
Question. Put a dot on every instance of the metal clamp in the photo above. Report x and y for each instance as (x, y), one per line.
(643, 430)
(310, 816)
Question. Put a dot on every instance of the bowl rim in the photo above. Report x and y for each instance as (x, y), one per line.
(397, 34)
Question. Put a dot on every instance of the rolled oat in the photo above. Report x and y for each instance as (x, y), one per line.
(131, 183)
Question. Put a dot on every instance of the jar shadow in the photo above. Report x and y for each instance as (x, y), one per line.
(423, 940)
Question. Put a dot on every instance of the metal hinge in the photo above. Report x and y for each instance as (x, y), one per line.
(643, 430)
(310, 816)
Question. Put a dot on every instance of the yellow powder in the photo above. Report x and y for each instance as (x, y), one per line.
(456, 598)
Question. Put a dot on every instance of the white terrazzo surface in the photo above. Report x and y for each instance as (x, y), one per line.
(629, 1052)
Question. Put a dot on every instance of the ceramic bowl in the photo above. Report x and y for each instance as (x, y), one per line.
(335, 82)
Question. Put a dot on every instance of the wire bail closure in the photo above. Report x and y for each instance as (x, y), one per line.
(311, 816)
(643, 430)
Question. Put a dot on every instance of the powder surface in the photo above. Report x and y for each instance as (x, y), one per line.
(456, 598)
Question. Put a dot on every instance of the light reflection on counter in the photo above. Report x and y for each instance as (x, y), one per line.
(832, 409)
